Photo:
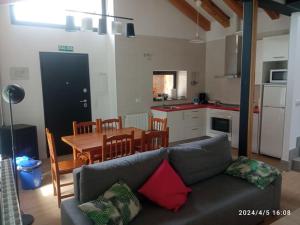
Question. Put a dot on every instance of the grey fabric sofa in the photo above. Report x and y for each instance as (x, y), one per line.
(215, 199)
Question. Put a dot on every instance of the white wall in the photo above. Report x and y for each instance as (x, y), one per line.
(292, 114)
(157, 18)
(265, 27)
(134, 70)
(20, 46)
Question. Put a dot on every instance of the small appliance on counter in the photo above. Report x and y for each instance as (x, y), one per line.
(203, 99)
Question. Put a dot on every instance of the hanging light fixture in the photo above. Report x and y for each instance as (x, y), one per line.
(102, 27)
(130, 30)
(87, 24)
(197, 39)
(70, 24)
(117, 27)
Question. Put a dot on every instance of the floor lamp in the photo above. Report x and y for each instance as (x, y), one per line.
(14, 94)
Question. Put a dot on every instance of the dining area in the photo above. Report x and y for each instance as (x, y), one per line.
(102, 140)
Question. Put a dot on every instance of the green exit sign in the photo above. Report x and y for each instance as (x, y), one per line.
(65, 48)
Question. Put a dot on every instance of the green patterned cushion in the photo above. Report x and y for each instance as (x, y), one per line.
(124, 200)
(102, 212)
(256, 172)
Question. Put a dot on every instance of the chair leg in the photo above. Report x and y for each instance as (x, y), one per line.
(53, 183)
(58, 191)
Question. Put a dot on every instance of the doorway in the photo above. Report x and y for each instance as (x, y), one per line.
(66, 93)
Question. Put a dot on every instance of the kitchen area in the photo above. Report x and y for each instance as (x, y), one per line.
(216, 110)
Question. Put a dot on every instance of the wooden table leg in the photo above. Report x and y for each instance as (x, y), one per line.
(74, 154)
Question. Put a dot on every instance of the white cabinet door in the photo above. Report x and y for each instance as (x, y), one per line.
(259, 62)
(274, 95)
(272, 127)
(194, 123)
(276, 48)
(175, 123)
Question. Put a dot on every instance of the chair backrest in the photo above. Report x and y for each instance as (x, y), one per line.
(117, 146)
(109, 124)
(157, 124)
(52, 150)
(152, 140)
(85, 127)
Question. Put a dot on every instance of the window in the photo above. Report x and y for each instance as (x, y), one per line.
(170, 84)
(52, 13)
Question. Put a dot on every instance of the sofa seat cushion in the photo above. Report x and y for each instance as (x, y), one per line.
(199, 160)
(213, 201)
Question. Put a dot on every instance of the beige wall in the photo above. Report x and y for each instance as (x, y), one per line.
(222, 89)
(137, 58)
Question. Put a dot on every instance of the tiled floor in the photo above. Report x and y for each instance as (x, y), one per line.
(43, 205)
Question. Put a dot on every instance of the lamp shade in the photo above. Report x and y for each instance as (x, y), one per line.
(70, 24)
(130, 30)
(102, 27)
(13, 93)
(87, 24)
(117, 27)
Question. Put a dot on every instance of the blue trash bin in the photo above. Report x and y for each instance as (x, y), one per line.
(30, 172)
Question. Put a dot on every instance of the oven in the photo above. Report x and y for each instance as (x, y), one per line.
(220, 124)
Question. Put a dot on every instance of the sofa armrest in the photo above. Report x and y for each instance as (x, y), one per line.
(72, 215)
(76, 179)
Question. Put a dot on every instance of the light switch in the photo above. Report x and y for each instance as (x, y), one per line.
(19, 73)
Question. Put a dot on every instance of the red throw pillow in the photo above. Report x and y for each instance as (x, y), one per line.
(165, 188)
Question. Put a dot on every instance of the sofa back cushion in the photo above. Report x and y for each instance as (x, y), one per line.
(199, 160)
(134, 170)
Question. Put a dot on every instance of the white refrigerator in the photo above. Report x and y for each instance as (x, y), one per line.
(272, 121)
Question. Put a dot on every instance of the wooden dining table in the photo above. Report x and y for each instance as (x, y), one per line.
(93, 141)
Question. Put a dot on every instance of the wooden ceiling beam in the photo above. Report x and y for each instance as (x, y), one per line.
(272, 14)
(191, 13)
(213, 10)
(236, 6)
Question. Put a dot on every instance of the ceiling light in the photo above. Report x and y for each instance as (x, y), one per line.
(130, 30)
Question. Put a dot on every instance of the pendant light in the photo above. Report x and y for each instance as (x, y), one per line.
(197, 39)
(87, 24)
(130, 30)
(70, 24)
(117, 27)
(102, 27)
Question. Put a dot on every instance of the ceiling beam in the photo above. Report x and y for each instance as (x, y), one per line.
(213, 10)
(285, 9)
(272, 14)
(235, 6)
(191, 13)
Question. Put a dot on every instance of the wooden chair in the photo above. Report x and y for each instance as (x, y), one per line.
(117, 146)
(60, 168)
(152, 140)
(84, 128)
(110, 124)
(157, 124)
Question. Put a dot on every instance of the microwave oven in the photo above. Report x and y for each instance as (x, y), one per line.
(278, 76)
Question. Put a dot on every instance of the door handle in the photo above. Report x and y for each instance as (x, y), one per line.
(84, 101)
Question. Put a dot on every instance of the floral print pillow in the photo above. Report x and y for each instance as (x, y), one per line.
(256, 172)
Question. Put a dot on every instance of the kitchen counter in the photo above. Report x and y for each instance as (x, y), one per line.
(172, 108)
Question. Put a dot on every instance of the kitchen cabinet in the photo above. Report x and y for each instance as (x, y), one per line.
(259, 62)
(276, 48)
(184, 124)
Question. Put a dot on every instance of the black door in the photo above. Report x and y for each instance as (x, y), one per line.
(66, 93)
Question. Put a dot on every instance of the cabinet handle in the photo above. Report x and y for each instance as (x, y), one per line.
(278, 57)
(195, 111)
(195, 117)
(195, 129)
